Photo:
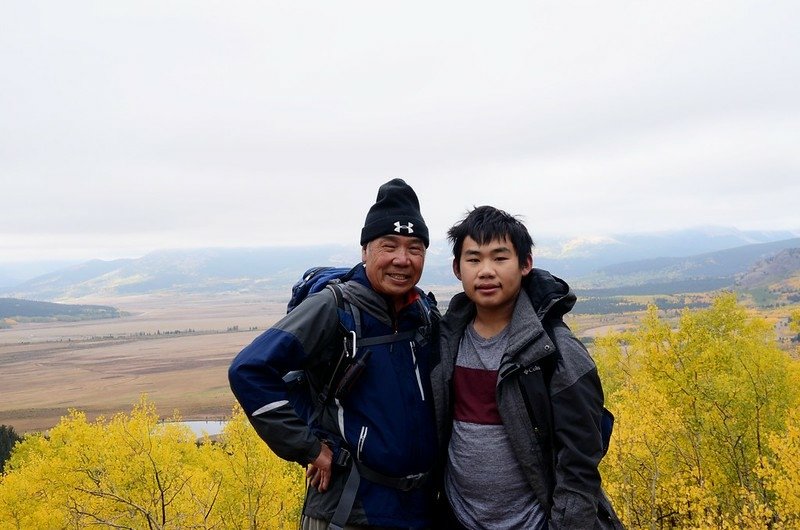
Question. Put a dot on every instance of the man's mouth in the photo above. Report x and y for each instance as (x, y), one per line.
(399, 277)
(486, 288)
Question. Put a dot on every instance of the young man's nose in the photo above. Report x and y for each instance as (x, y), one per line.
(486, 271)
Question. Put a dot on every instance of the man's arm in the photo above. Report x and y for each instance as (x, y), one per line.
(256, 375)
(577, 404)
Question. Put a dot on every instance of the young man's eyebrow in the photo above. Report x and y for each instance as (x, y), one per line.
(498, 250)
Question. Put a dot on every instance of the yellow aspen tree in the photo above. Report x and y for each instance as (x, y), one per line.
(36, 489)
(695, 407)
(794, 321)
(129, 472)
(134, 471)
(782, 473)
(259, 490)
(794, 325)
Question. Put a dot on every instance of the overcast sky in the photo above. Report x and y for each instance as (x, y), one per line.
(129, 126)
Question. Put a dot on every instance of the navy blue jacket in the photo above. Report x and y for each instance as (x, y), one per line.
(386, 420)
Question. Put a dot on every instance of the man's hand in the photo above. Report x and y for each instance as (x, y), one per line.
(319, 471)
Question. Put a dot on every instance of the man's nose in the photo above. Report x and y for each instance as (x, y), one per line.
(402, 256)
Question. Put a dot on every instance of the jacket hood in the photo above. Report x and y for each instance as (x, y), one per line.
(550, 295)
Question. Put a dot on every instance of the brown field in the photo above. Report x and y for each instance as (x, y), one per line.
(103, 366)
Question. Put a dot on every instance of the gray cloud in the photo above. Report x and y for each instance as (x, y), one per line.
(183, 123)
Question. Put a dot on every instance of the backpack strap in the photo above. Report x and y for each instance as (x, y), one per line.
(388, 339)
(348, 352)
(420, 335)
(345, 505)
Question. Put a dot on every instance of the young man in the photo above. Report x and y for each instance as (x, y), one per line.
(373, 447)
(520, 453)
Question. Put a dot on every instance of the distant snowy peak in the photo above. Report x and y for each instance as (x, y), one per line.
(577, 247)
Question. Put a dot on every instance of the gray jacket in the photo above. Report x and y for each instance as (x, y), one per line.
(563, 471)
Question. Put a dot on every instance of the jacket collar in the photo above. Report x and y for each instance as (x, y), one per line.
(360, 293)
(523, 328)
(542, 295)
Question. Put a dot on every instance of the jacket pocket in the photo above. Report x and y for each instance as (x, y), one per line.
(606, 516)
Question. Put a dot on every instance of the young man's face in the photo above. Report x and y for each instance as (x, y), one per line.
(394, 265)
(490, 273)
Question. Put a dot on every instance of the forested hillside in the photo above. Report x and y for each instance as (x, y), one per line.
(29, 310)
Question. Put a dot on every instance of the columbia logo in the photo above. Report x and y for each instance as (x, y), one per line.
(409, 228)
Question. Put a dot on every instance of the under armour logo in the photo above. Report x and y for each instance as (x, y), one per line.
(409, 228)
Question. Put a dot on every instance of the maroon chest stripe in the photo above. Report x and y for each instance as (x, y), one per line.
(475, 400)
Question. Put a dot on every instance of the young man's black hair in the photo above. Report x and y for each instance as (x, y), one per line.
(485, 224)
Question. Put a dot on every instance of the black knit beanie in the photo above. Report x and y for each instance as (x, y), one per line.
(396, 211)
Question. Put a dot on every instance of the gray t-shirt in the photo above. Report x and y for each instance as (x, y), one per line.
(483, 481)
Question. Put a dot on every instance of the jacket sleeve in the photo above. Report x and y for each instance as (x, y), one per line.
(255, 375)
(577, 404)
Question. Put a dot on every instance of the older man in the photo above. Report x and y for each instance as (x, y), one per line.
(368, 452)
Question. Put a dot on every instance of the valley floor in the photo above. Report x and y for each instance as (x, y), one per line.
(177, 351)
(174, 349)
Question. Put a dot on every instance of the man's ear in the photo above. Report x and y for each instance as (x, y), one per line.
(528, 265)
(456, 269)
(364, 253)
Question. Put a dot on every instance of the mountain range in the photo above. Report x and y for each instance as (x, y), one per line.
(688, 260)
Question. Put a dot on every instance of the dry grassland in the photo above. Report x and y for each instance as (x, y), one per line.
(103, 366)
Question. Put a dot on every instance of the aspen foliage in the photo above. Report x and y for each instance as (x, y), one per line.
(783, 472)
(259, 489)
(794, 325)
(794, 321)
(134, 471)
(698, 409)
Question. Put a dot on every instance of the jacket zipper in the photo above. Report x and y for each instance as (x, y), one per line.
(361, 439)
(416, 369)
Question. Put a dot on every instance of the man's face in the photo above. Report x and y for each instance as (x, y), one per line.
(394, 265)
(490, 274)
